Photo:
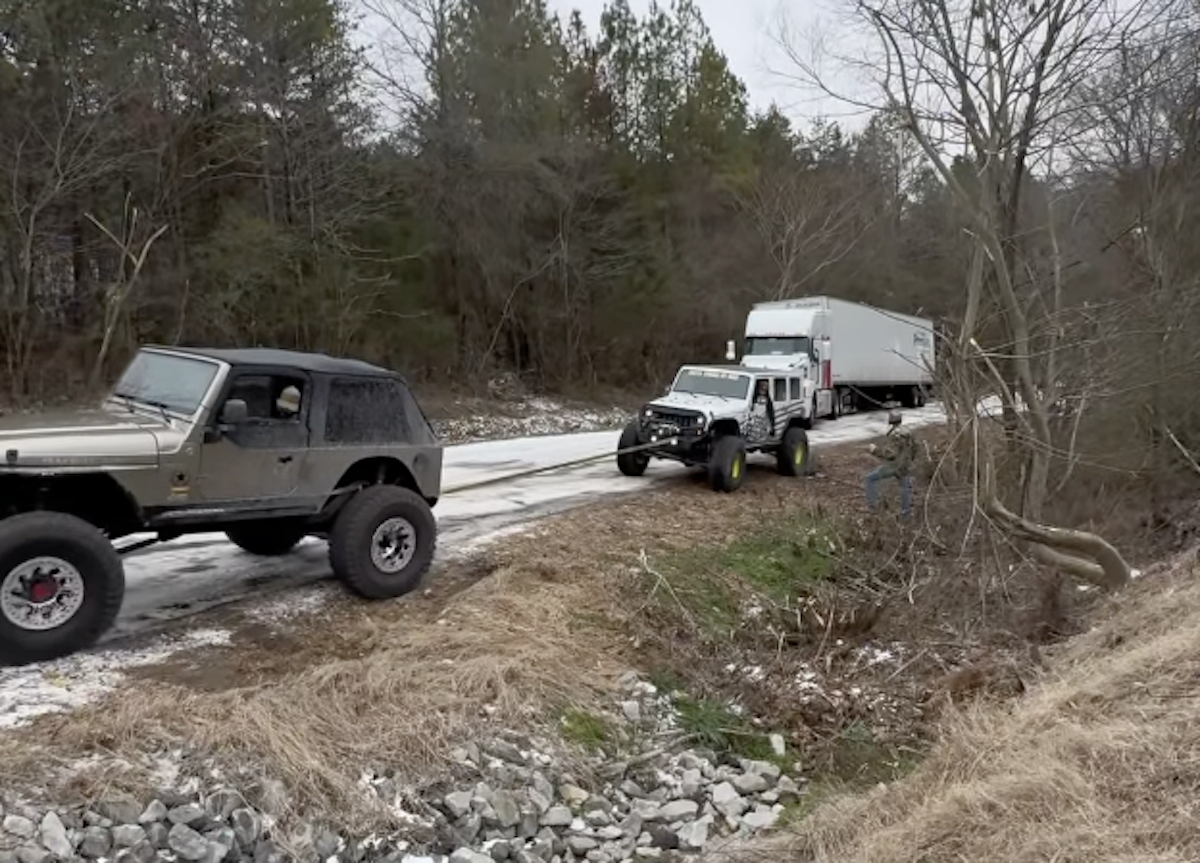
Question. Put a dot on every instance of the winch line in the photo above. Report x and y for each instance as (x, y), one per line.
(510, 477)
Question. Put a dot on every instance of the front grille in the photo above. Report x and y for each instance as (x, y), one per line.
(675, 418)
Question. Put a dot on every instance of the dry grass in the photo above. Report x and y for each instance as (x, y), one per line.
(544, 631)
(397, 684)
(508, 644)
(1100, 763)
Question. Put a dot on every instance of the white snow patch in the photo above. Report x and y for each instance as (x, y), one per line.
(290, 605)
(530, 417)
(874, 655)
(51, 687)
(479, 543)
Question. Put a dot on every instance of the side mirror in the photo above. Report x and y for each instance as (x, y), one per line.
(730, 351)
(234, 412)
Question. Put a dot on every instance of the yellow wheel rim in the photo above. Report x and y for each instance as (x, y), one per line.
(799, 457)
(736, 471)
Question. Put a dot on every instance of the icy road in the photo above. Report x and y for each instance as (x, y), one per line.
(195, 573)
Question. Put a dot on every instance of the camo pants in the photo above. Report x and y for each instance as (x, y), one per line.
(890, 471)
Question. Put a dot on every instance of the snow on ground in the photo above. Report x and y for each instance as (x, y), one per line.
(301, 602)
(527, 418)
(180, 579)
(55, 686)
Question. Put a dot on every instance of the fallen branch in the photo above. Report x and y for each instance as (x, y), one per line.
(660, 581)
(1074, 552)
(1191, 459)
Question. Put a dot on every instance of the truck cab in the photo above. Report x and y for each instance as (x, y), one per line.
(794, 336)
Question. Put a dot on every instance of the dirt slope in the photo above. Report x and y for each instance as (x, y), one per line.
(1098, 763)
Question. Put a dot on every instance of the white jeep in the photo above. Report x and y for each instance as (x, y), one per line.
(715, 415)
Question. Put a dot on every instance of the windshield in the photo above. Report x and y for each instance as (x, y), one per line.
(165, 381)
(776, 346)
(704, 382)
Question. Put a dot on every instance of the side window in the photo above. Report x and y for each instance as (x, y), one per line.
(366, 411)
(270, 398)
(275, 410)
(781, 389)
(795, 382)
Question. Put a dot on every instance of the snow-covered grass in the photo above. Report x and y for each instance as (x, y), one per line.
(52, 687)
(530, 417)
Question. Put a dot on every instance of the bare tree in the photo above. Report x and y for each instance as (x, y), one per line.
(1141, 127)
(51, 156)
(133, 254)
(809, 218)
(997, 80)
(409, 68)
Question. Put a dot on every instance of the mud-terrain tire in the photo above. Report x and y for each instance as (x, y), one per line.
(727, 467)
(266, 538)
(632, 463)
(360, 543)
(792, 456)
(39, 548)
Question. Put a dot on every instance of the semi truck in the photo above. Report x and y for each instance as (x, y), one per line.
(851, 356)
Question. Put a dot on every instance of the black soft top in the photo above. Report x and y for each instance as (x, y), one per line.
(314, 363)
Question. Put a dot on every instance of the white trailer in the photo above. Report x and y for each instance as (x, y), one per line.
(851, 356)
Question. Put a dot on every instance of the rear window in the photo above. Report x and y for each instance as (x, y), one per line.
(363, 411)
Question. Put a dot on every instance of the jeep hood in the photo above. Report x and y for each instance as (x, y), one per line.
(710, 405)
(79, 438)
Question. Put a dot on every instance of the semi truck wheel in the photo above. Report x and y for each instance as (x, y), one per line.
(633, 463)
(792, 456)
(382, 541)
(266, 538)
(61, 586)
(913, 397)
(727, 467)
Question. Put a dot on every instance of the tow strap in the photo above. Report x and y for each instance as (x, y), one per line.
(509, 477)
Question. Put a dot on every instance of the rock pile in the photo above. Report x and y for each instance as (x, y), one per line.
(663, 808)
(649, 803)
(221, 826)
(511, 798)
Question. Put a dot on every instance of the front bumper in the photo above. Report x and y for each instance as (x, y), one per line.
(682, 437)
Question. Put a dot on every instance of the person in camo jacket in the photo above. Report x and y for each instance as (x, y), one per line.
(898, 453)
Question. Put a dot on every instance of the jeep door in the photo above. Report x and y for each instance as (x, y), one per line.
(258, 461)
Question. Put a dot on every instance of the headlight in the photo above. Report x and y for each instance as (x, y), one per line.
(647, 413)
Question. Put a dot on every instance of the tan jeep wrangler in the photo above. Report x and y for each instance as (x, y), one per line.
(268, 446)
